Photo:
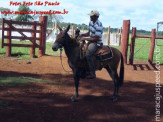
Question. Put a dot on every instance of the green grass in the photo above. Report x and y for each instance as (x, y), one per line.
(21, 81)
(49, 50)
(142, 48)
(15, 81)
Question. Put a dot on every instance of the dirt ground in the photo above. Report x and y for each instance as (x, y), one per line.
(50, 101)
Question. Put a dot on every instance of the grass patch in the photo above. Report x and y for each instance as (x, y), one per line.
(19, 81)
(49, 50)
(142, 48)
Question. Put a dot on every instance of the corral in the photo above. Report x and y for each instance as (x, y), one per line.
(40, 90)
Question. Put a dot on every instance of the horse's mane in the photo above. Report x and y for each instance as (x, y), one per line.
(75, 42)
(69, 41)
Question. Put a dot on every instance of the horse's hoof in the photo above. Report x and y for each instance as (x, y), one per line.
(74, 99)
(114, 98)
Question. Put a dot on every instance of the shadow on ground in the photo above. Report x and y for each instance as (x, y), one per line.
(29, 103)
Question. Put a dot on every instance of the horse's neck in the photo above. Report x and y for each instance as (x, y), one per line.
(71, 49)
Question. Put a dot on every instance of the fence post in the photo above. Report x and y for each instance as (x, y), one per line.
(109, 35)
(32, 50)
(45, 18)
(151, 52)
(8, 48)
(42, 42)
(72, 31)
(120, 39)
(2, 41)
(125, 38)
(132, 46)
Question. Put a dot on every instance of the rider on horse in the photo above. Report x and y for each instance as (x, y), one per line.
(94, 41)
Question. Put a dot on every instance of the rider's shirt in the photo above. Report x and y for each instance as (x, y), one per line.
(96, 29)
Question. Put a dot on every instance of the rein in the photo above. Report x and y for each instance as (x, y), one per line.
(61, 60)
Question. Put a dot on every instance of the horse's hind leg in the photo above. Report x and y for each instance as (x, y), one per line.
(116, 85)
(115, 78)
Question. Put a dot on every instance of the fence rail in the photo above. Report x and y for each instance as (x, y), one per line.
(42, 24)
(132, 46)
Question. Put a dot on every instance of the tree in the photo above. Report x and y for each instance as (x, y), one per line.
(24, 17)
(52, 18)
(4, 15)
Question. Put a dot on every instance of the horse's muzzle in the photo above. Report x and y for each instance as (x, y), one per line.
(56, 46)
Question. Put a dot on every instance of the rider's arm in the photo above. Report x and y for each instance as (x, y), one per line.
(91, 39)
(85, 34)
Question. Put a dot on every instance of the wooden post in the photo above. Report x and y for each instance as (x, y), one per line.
(120, 35)
(83, 28)
(72, 31)
(120, 30)
(8, 49)
(109, 35)
(32, 50)
(45, 18)
(151, 52)
(132, 46)
(42, 43)
(125, 38)
(2, 42)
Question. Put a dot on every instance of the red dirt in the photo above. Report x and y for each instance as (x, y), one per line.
(50, 102)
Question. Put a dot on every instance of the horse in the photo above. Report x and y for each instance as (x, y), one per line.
(72, 49)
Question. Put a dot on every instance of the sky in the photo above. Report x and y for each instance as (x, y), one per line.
(143, 14)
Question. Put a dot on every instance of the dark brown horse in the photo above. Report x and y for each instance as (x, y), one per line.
(79, 66)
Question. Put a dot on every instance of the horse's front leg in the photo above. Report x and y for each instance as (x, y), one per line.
(76, 81)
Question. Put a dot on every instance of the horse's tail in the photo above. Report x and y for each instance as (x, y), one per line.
(121, 77)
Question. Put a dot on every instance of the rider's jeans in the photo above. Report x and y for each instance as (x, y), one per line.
(92, 48)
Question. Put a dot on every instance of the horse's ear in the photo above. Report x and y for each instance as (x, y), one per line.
(68, 27)
(59, 27)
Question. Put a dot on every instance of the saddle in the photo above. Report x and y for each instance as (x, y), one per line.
(103, 53)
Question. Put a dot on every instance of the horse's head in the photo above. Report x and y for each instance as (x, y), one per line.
(61, 38)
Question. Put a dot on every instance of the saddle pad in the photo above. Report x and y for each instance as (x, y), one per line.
(104, 50)
(105, 54)
(104, 57)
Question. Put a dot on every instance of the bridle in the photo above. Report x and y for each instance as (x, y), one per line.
(61, 49)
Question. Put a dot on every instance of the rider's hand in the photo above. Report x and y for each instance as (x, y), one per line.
(82, 39)
(80, 36)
